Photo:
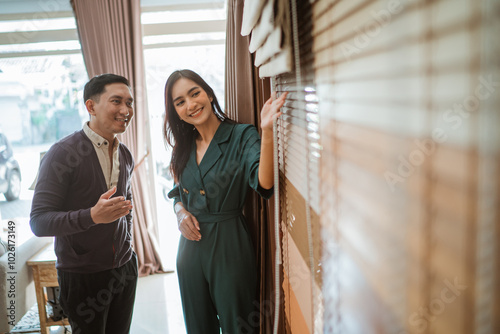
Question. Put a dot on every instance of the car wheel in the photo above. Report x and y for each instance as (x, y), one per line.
(14, 186)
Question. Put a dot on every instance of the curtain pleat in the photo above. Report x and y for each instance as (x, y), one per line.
(245, 96)
(111, 38)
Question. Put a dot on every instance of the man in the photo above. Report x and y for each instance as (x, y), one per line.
(83, 198)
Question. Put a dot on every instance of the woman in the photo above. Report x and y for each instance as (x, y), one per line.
(214, 161)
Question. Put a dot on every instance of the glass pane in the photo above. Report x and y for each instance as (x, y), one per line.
(43, 46)
(41, 22)
(183, 16)
(178, 38)
(41, 100)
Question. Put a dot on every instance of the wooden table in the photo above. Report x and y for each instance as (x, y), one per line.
(45, 275)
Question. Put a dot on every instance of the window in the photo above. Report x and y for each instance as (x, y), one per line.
(42, 75)
(176, 37)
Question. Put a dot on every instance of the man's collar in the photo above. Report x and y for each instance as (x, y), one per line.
(95, 138)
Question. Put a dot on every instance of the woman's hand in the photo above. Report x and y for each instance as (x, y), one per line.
(271, 111)
(188, 224)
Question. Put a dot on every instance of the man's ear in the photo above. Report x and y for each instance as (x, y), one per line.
(90, 106)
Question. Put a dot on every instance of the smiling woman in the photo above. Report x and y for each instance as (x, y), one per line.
(215, 162)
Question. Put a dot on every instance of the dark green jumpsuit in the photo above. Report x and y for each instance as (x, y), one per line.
(218, 274)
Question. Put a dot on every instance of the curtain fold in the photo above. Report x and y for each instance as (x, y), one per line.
(111, 38)
(245, 96)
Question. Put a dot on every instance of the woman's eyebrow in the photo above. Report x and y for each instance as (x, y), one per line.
(189, 91)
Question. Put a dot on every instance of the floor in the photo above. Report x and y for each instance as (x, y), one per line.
(158, 303)
(158, 306)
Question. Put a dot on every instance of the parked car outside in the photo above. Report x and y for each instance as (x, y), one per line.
(10, 173)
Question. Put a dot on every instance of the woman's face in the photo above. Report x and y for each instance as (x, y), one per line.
(191, 102)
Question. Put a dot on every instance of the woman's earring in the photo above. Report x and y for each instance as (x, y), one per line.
(219, 115)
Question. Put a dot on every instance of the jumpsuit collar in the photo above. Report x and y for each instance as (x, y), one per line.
(212, 155)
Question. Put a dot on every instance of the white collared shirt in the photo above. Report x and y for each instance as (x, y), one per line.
(110, 169)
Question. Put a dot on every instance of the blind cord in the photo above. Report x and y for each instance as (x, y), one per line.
(277, 259)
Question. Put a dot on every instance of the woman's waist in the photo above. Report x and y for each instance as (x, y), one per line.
(217, 217)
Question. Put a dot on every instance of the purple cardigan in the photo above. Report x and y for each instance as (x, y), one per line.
(70, 182)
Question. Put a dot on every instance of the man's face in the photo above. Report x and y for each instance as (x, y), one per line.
(113, 112)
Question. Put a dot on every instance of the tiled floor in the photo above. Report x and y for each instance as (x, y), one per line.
(157, 306)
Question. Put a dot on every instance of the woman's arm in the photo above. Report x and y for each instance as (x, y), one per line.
(269, 113)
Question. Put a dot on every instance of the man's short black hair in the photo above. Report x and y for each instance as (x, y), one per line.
(97, 85)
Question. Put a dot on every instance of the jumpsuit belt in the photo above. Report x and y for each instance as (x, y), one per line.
(216, 217)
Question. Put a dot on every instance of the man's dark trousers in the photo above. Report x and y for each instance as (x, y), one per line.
(102, 302)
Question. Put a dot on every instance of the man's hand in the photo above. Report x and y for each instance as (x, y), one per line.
(107, 209)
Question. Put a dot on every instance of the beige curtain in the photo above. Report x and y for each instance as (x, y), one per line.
(245, 96)
(111, 39)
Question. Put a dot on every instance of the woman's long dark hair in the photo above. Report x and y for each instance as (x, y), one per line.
(179, 134)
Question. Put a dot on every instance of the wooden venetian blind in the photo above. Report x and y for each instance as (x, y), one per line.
(389, 167)
(298, 147)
